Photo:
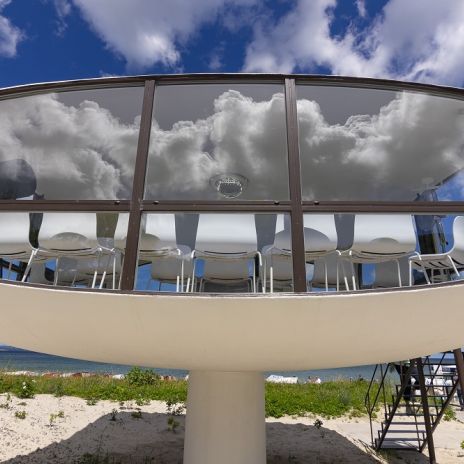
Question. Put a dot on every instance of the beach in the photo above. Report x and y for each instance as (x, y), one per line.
(64, 430)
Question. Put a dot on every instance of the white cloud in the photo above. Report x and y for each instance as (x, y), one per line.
(83, 151)
(76, 152)
(361, 6)
(145, 32)
(414, 40)
(411, 143)
(63, 10)
(241, 136)
(10, 35)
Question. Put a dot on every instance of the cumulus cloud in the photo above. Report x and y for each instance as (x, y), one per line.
(413, 142)
(145, 32)
(63, 10)
(408, 144)
(241, 136)
(83, 150)
(76, 152)
(10, 35)
(425, 49)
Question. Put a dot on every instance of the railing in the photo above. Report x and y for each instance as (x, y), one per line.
(424, 410)
(383, 394)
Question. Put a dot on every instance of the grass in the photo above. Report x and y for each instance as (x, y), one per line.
(329, 399)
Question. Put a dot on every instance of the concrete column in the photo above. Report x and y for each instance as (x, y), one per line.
(225, 418)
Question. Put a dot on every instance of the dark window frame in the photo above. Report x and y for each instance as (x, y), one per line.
(296, 207)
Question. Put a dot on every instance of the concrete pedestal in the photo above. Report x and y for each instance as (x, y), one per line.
(225, 418)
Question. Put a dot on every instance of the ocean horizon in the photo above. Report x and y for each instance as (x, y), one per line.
(17, 359)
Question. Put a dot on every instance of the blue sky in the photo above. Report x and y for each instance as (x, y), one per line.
(416, 40)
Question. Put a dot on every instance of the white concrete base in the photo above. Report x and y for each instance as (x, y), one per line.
(225, 418)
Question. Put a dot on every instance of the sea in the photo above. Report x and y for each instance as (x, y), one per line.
(16, 359)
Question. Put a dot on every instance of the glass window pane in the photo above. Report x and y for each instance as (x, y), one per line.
(215, 252)
(372, 251)
(68, 249)
(76, 145)
(218, 142)
(363, 144)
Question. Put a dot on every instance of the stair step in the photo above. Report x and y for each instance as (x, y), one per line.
(405, 431)
(405, 439)
(406, 423)
(399, 446)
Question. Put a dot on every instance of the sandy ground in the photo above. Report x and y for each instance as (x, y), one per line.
(88, 429)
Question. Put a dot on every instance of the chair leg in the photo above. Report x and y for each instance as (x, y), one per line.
(102, 281)
(254, 278)
(410, 273)
(399, 271)
(271, 278)
(74, 278)
(182, 275)
(454, 266)
(326, 276)
(114, 271)
(29, 264)
(264, 277)
(424, 270)
(55, 277)
(353, 276)
(345, 279)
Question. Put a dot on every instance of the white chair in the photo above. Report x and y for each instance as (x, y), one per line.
(320, 236)
(326, 273)
(67, 235)
(170, 261)
(227, 244)
(452, 260)
(14, 237)
(386, 273)
(72, 271)
(378, 238)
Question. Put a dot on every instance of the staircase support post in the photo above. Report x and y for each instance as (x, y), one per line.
(459, 360)
(425, 408)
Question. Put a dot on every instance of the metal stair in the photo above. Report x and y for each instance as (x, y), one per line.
(415, 404)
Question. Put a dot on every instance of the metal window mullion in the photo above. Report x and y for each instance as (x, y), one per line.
(298, 246)
(138, 188)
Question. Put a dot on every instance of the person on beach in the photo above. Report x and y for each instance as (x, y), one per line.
(409, 376)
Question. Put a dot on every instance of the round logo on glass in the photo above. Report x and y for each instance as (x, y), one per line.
(229, 185)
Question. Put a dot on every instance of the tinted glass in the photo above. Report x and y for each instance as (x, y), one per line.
(362, 144)
(78, 145)
(69, 248)
(218, 142)
(365, 251)
(215, 252)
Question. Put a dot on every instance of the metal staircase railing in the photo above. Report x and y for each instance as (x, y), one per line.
(413, 408)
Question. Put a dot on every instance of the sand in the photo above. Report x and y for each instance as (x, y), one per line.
(88, 429)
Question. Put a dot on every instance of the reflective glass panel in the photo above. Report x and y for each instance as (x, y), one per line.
(218, 142)
(378, 145)
(66, 249)
(371, 251)
(215, 253)
(76, 145)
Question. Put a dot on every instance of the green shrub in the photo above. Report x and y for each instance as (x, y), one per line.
(140, 377)
(26, 389)
(20, 414)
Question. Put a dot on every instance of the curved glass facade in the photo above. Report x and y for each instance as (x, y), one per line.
(250, 184)
(379, 145)
(74, 145)
(218, 142)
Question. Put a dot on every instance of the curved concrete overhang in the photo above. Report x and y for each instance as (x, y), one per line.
(234, 332)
